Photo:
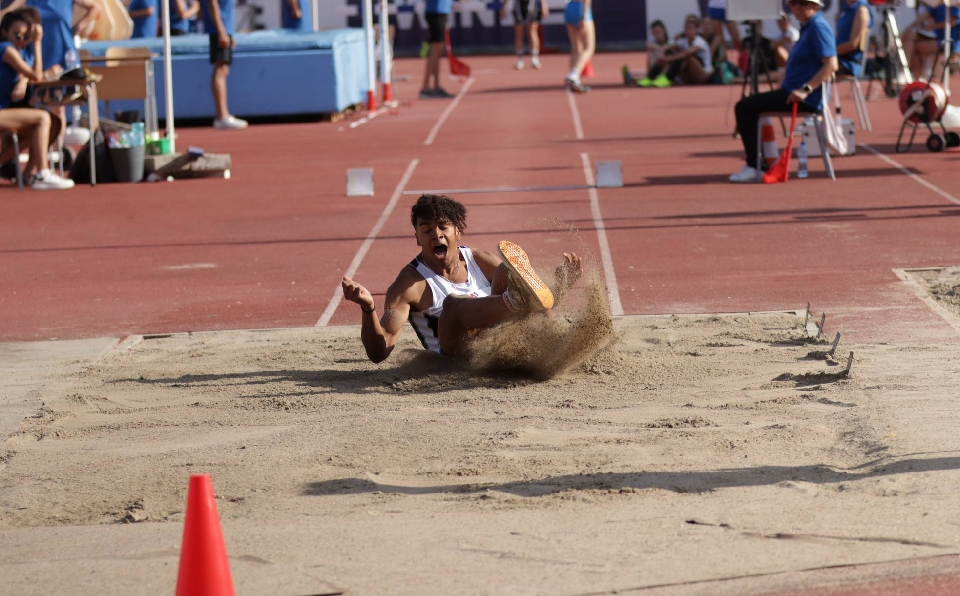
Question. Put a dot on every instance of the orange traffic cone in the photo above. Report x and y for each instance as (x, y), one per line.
(204, 569)
(768, 136)
(587, 70)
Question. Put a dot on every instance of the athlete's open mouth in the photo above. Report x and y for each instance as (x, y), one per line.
(440, 251)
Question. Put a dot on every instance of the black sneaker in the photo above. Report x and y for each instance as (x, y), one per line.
(441, 92)
(427, 94)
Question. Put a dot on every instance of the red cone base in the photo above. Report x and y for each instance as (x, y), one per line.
(587, 70)
(204, 568)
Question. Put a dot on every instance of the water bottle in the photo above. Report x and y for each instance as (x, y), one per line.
(802, 160)
(70, 60)
(137, 133)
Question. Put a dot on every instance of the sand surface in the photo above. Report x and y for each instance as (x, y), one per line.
(685, 448)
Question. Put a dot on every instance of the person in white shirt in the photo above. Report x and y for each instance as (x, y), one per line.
(783, 42)
(695, 63)
(450, 292)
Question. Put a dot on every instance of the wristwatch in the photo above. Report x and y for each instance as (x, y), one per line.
(806, 88)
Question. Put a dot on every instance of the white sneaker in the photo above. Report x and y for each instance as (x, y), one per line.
(47, 180)
(535, 62)
(746, 175)
(229, 123)
(519, 65)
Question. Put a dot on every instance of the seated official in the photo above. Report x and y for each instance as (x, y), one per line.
(811, 63)
(20, 59)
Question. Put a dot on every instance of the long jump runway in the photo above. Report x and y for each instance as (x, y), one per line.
(267, 248)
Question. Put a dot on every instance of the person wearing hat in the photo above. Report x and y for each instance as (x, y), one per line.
(812, 61)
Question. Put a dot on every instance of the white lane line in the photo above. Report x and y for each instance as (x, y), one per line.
(910, 174)
(371, 116)
(189, 266)
(446, 113)
(362, 252)
(613, 292)
(471, 191)
(577, 126)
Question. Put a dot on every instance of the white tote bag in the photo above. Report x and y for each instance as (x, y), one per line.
(832, 124)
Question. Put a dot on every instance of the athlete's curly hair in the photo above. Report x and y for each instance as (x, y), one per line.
(440, 208)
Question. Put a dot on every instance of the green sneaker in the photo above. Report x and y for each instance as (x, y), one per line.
(645, 82)
(661, 81)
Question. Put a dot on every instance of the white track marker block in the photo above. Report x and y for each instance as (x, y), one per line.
(609, 174)
(360, 182)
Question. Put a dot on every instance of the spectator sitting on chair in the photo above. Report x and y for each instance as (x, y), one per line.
(785, 40)
(853, 29)
(920, 43)
(437, 13)
(143, 13)
(32, 125)
(181, 14)
(692, 62)
(811, 63)
(218, 23)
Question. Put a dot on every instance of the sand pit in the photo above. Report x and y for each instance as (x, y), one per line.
(687, 448)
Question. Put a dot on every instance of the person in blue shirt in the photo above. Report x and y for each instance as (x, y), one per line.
(940, 27)
(812, 61)
(295, 15)
(853, 31)
(218, 23)
(436, 14)
(182, 13)
(143, 13)
(17, 34)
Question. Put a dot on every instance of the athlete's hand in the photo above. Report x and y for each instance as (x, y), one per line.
(569, 271)
(354, 292)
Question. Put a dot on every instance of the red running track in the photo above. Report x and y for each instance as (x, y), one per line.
(267, 248)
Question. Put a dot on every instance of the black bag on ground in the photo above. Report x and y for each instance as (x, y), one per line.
(80, 172)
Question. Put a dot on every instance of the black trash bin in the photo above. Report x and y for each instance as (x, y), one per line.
(127, 163)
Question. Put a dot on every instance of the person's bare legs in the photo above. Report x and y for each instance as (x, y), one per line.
(588, 45)
(518, 39)
(431, 70)
(575, 45)
(33, 127)
(734, 34)
(218, 86)
(693, 73)
(462, 314)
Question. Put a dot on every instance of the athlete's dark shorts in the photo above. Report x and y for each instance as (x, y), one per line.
(220, 55)
(527, 11)
(436, 26)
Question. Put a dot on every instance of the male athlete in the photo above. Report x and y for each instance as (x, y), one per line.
(449, 292)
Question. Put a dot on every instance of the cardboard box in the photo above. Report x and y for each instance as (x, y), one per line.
(809, 135)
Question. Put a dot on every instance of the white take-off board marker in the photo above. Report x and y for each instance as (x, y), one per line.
(360, 182)
(609, 174)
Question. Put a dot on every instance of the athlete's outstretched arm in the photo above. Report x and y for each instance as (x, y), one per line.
(380, 335)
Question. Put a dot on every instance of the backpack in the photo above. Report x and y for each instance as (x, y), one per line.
(80, 171)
